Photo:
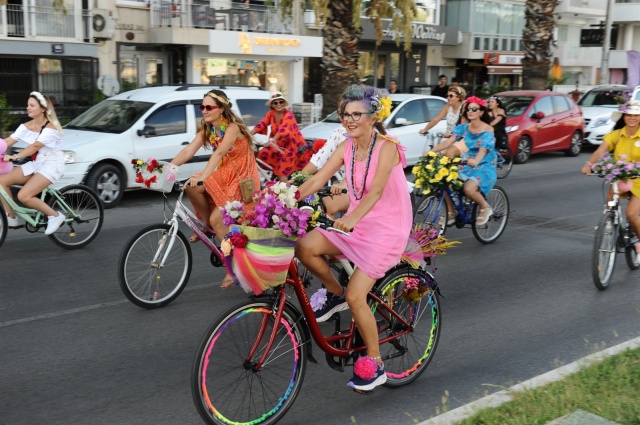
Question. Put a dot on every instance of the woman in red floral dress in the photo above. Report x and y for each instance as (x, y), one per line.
(283, 152)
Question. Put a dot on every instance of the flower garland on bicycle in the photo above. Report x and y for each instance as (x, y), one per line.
(379, 217)
(474, 142)
(624, 143)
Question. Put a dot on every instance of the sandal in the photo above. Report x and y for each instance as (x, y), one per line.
(228, 282)
(484, 216)
(451, 218)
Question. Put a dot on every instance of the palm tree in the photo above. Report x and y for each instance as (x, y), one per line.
(340, 20)
(537, 39)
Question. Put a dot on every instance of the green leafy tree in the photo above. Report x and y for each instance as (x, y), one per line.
(7, 121)
(340, 20)
(537, 39)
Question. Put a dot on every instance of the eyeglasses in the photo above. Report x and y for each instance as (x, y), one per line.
(278, 102)
(473, 109)
(355, 116)
(208, 107)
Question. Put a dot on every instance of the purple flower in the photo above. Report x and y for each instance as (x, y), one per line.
(615, 171)
(629, 167)
(318, 299)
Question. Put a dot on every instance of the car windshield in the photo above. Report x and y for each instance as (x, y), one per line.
(110, 116)
(601, 98)
(515, 106)
(334, 118)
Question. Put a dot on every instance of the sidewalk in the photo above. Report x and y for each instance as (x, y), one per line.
(500, 397)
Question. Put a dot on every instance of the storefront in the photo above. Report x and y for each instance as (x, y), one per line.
(504, 70)
(379, 65)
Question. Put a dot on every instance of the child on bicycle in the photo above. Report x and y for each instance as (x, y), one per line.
(474, 142)
(623, 140)
(379, 217)
(43, 136)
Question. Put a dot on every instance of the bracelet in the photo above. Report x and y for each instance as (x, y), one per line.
(588, 163)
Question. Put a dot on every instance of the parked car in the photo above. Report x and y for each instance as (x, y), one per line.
(409, 114)
(597, 105)
(148, 122)
(541, 121)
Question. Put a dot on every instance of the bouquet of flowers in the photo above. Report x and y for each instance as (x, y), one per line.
(260, 246)
(433, 171)
(148, 174)
(614, 170)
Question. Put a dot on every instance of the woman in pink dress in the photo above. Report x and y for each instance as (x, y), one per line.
(379, 219)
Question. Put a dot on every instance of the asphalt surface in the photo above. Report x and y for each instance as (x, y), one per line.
(73, 350)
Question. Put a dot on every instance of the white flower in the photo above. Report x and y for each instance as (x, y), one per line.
(275, 219)
(40, 97)
(234, 214)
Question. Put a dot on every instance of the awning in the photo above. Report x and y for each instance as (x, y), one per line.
(504, 69)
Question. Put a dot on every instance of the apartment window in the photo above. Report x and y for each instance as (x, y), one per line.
(505, 44)
(476, 43)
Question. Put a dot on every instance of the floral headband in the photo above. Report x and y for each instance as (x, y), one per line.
(476, 100)
(218, 98)
(41, 100)
(381, 106)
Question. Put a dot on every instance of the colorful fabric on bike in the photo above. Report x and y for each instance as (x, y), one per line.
(425, 242)
(264, 261)
(286, 160)
(223, 184)
(378, 241)
(485, 172)
(621, 144)
(50, 159)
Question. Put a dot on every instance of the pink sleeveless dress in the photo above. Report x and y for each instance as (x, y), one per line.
(378, 241)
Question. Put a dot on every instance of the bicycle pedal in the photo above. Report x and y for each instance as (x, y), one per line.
(363, 392)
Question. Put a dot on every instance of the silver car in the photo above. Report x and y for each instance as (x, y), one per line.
(597, 105)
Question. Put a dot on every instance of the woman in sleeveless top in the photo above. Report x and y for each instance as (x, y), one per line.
(43, 136)
(232, 160)
(498, 118)
(451, 110)
(379, 217)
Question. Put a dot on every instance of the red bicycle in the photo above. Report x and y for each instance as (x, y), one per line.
(252, 360)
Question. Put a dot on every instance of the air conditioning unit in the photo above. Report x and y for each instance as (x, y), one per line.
(103, 23)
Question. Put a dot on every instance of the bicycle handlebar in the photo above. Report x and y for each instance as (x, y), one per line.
(326, 191)
(326, 223)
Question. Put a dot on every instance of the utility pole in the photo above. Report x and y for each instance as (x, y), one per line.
(604, 64)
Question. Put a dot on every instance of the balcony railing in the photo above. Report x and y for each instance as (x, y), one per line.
(227, 15)
(17, 20)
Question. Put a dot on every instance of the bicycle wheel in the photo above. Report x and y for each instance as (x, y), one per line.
(603, 255)
(146, 283)
(83, 203)
(407, 357)
(226, 386)
(630, 254)
(4, 225)
(490, 232)
(503, 168)
(431, 210)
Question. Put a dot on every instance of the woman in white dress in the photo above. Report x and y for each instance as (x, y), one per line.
(43, 136)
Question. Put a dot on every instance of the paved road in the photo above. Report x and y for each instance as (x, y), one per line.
(74, 351)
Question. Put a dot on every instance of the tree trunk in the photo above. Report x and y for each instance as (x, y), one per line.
(537, 39)
(340, 53)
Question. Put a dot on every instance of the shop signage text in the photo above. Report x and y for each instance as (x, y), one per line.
(231, 42)
(502, 59)
(421, 33)
(130, 27)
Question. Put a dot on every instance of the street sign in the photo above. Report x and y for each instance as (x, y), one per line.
(595, 37)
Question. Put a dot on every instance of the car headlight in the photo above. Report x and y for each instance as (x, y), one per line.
(69, 157)
(511, 128)
(600, 122)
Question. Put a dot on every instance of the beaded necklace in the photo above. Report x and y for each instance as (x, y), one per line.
(214, 135)
(366, 168)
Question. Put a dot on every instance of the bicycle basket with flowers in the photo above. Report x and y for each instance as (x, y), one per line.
(435, 171)
(616, 170)
(149, 174)
(260, 246)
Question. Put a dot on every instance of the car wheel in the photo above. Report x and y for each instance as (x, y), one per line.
(576, 145)
(107, 181)
(523, 150)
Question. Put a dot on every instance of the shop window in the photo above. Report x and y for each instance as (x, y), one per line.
(496, 44)
(505, 44)
(170, 120)
(513, 44)
(487, 43)
(476, 43)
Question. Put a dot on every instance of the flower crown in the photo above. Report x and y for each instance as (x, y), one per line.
(41, 99)
(381, 106)
(476, 100)
(218, 98)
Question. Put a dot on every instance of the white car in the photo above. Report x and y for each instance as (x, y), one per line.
(148, 122)
(597, 105)
(409, 114)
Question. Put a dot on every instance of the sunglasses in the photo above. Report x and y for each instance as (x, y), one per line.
(208, 107)
(473, 109)
(278, 102)
(451, 95)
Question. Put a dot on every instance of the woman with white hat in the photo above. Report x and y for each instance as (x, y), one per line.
(624, 140)
(285, 140)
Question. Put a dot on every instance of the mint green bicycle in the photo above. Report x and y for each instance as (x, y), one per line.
(81, 206)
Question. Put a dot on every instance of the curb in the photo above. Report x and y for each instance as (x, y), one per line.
(496, 399)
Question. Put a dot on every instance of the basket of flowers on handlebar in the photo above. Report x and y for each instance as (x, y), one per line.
(155, 175)
(619, 170)
(261, 244)
(434, 171)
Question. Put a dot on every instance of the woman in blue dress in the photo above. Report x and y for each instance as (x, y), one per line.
(474, 142)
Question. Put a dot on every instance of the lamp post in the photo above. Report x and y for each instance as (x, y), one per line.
(604, 64)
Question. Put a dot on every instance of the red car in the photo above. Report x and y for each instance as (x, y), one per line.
(541, 121)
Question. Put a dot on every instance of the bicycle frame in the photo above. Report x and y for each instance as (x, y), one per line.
(324, 342)
(33, 216)
(464, 210)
